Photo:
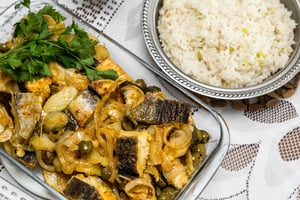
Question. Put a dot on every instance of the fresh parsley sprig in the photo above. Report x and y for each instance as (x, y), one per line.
(34, 50)
(25, 3)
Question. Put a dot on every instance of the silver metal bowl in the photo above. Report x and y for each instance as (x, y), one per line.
(151, 37)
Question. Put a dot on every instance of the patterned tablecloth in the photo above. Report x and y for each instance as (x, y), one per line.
(263, 161)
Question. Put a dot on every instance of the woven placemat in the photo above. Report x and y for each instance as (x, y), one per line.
(264, 101)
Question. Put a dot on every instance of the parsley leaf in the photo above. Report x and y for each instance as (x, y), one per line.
(49, 10)
(36, 24)
(25, 3)
(34, 50)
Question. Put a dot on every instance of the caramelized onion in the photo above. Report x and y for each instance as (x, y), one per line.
(67, 151)
(42, 162)
(177, 139)
(140, 188)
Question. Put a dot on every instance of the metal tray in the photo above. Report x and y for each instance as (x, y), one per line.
(205, 117)
(151, 37)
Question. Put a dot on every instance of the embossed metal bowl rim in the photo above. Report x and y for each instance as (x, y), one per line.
(150, 33)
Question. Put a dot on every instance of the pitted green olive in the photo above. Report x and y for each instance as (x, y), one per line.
(3, 48)
(157, 191)
(204, 136)
(85, 147)
(199, 148)
(164, 196)
(167, 193)
(48, 157)
(197, 159)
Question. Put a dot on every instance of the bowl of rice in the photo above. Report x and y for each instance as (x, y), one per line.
(225, 49)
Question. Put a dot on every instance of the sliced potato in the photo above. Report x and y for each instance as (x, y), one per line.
(60, 100)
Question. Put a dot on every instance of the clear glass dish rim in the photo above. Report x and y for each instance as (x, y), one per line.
(203, 176)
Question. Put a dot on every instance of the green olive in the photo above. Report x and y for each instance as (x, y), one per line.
(195, 138)
(106, 173)
(157, 191)
(205, 136)
(3, 47)
(48, 157)
(169, 190)
(164, 196)
(200, 149)
(85, 147)
(167, 193)
(197, 159)
(199, 134)
(141, 83)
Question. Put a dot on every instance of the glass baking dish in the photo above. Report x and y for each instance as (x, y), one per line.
(205, 117)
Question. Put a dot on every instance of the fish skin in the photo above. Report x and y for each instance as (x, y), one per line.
(26, 111)
(126, 151)
(154, 110)
(82, 107)
(132, 151)
(79, 190)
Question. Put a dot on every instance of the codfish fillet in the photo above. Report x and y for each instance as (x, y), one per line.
(155, 110)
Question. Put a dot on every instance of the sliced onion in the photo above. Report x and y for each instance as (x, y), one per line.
(177, 139)
(140, 188)
(41, 162)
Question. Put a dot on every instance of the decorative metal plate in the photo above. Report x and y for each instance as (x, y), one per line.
(151, 37)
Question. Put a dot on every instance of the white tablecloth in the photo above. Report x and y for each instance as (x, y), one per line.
(263, 161)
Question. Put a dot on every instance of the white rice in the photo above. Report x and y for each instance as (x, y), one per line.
(227, 43)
